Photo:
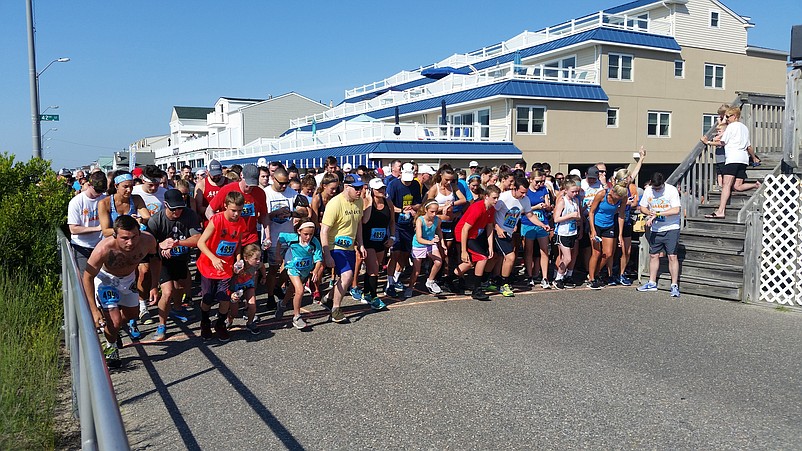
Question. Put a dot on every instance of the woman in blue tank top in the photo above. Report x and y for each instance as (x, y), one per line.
(607, 208)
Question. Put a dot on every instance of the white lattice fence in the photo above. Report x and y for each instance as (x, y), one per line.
(781, 256)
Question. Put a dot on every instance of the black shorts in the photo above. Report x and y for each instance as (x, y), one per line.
(214, 290)
(447, 227)
(174, 270)
(403, 240)
(377, 246)
(627, 232)
(737, 170)
(566, 241)
(504, 246)
(719, 168)
(606, 232)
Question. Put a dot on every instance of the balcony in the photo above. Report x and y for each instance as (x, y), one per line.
(216, 119)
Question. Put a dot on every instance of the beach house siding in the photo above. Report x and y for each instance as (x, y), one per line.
(271, 118)
(692, 25)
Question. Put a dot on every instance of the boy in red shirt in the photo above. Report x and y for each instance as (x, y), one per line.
(474, 233)
(219, 245)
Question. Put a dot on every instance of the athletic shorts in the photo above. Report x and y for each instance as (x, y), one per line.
(664, 242)
(244, 285)
(566, 240)
(719, 168)
(606, 232)
(344, 261)
(447, 227)
(81, 256)
(302, 274)
(423, 252)
(403, 240)
(627, 232)
(533, 232)
(112, 291)
(504, 246)
(477, 249)
(174, 270)
(377, 246)
(738, 170)
(214, 290)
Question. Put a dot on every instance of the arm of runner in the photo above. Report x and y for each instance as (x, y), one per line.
(591, 209)
(93, 265)
(217, 262)
(104, 215)
(324, 243)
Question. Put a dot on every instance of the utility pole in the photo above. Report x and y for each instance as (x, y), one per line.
(34, 81)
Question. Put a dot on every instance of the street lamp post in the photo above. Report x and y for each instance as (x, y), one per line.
(34, 81)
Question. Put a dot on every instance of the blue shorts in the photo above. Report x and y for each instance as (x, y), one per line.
(344, 261)
(244, 285)
(533, 232)
(304, 274)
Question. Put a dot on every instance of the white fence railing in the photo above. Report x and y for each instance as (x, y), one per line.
(781, 250)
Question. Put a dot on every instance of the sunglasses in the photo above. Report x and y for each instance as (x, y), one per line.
(358, 188)
(175, 209)
(559, 178)
(282, 183)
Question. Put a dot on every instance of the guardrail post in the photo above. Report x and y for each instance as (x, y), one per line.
(753, 247)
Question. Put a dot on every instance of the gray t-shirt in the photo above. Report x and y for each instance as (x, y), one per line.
(182, 228)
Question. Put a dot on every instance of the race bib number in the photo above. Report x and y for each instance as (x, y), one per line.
(226, 248)
(303, 264)
(108, 296)
(248, 210)
(540, 215)
(343, 241)
(179, 250)
(572, 226)
(378, 234)
(404, 218)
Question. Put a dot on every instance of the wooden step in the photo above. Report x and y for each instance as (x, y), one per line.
(715, 273)
(733, 241)
(737, 199)
(729, 211)
(710, 256)
(758, 172)
(703, 286)
(703, 224)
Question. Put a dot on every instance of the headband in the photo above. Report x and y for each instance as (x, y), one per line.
(307, 224)
(123, 178)
(146, 179)
(431, 202)
(474, 176)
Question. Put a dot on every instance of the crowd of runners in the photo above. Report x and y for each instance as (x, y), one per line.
(376, 235)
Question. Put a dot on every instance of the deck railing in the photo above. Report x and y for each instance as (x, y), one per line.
(93, 393)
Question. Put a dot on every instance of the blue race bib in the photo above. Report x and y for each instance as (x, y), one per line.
(226, 248)
(377, 234)
(108, 296)
(178, 251)
(303, 264)
(343, 241)
(248, 210)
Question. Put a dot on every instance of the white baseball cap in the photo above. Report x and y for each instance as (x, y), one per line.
(261, 162)
(575, 172)
(376, 183)
(426, 169)
(347, 167)
(407, 176)
(473, 164)
(408, 167)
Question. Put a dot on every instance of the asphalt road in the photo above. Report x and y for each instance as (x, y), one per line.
(607, 369)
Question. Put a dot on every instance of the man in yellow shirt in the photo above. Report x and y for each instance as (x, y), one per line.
(341, 238)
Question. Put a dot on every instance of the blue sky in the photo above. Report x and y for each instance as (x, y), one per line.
(132, 61)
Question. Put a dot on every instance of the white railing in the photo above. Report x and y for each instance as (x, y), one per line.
(347, 134)
(228, 138)
(215, 118)
(528, 39)
(450, 84)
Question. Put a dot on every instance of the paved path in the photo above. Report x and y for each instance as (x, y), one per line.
(544, 370)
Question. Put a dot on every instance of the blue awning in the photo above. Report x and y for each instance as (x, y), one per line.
(442, 72)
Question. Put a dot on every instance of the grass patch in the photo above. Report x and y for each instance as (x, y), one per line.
(30, 320)
(782, 308)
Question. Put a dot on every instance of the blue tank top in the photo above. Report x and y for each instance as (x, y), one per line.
(536, 197)
(113, 209)
(604, 216)
(427, 232)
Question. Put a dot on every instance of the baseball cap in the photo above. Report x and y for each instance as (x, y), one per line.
(250, 174)
(201, 172)
(347, 167)
(353, 180)
(473, 164)
(426, 169)
(261, 162)
(376, 183)
(64, 172)
(575, 172)
(137, 172)
(407, 176)
(593, 172)
(408, 167)
(174, 199)
(215, 168)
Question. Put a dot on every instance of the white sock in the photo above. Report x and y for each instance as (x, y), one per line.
(397, 275)
(142, 306)
(559, 276)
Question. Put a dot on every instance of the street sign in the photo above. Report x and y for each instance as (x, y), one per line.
(48, 117)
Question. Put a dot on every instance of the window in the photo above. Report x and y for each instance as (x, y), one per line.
(708, 121)
(639, 23)
(612, 118)
(531, 120)
(484, 122)
(658, 124)
(714, 76)
(560, 69)
(466, 120)
(619, 67)
(714, 17)
(679, 69)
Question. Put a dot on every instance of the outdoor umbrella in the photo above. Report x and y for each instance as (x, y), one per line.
(397, 129)
(443, 113)
(314, 127)
(517, 62)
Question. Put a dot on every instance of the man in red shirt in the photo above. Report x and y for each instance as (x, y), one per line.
(208, 187)
(255, 208)
(219, 244)
(474, 233)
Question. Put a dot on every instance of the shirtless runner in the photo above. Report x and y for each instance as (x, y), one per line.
(110, 280)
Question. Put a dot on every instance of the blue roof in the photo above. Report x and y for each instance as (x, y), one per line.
(401, 87)
(359, 152)
(514, 88)
(628, 6)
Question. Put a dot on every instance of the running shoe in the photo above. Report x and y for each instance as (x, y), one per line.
(331, 283)
(433, 287)
(356, 293)
(316, 297)
(221, 331)
(112, 355)
(506, 290)
(674, 291)
(648, 286)
(337, 315)
(307, 290)
(623, 280)
(531, 282)
(612, 281)
(133, 330)
(299, 322)
(544, 283)
(489, 286)
(595, 284)
(206, 330)
(558, 284)
(161, 333)
(399, 287)
(389, 290)
(377, 304)
(253, 328)
(144, 317)
(176, 315)
(279, 309)
(569, 283)
(479, 294)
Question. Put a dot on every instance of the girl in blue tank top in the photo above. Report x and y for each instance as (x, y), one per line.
(607, 207)
(427, 243)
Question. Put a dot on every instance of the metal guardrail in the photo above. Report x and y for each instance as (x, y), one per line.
(93, 393)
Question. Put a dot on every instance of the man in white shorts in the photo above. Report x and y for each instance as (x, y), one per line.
(110, 280)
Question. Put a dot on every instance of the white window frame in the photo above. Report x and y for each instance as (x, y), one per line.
(634, 22)
(713, 122)
(710, 19)
(713, 80)
(474, 123)
(529, 119)
(617, 117)
(620, 67)
(659, 115)
(682, 75)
